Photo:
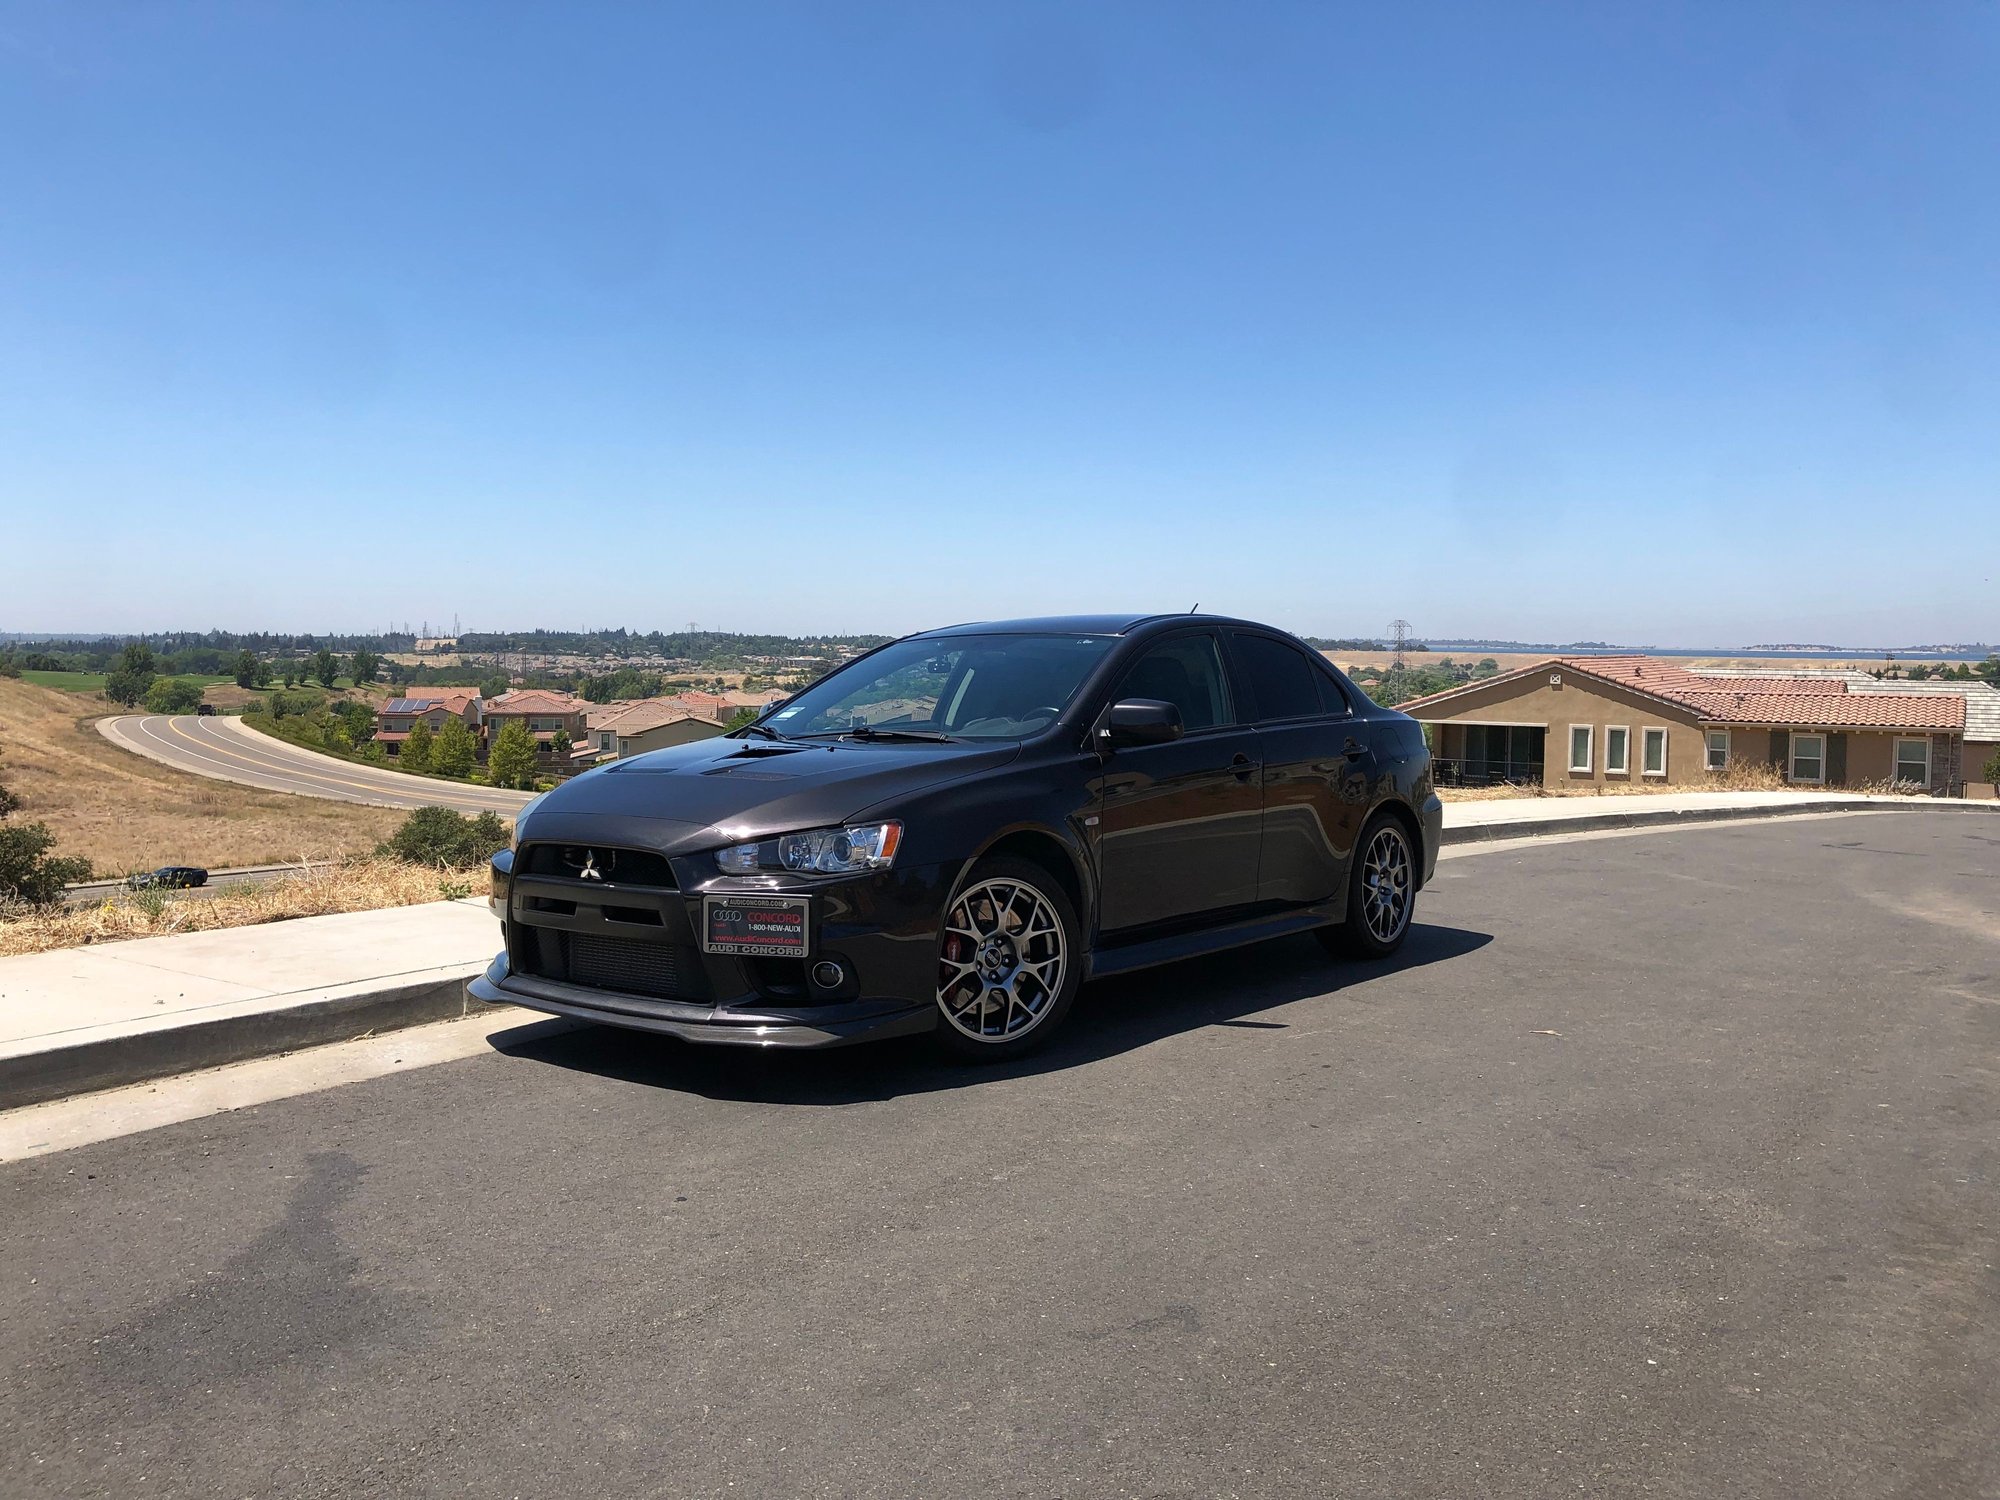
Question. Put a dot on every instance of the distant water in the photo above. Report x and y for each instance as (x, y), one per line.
(1858, 653)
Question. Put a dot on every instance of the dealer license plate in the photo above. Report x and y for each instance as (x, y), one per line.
(757, 926)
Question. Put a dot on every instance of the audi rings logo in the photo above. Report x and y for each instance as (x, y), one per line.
(590, 864)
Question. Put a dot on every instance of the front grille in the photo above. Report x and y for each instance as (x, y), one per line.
(658, 971)
(619, 866)
(633, 968)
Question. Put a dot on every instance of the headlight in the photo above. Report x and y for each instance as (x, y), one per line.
(820, 851)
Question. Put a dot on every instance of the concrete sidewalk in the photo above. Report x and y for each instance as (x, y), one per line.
(116, 1013)
(120, 1013)
(1518, 817)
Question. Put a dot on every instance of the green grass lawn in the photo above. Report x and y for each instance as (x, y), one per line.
(93, 682)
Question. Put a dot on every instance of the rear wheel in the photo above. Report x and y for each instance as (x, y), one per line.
(1381, 893)
(1009, 961)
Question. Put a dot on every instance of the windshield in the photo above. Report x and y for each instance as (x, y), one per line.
(970, 687)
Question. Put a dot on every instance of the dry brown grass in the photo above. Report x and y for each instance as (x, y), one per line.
(123, 812)
(357, 885)
(1740, 777)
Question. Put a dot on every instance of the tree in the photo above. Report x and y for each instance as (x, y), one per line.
(455, 751)
(364, 665)
(173, 695)
(741, 717)
(358, 719)
(416, 754)
(493, 686)
(325, 666)
(246, 671)
(512, 760)
(559, 746)
(1991, 770)
(127, 682)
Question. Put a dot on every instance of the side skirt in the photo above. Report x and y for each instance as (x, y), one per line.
(1180, 945)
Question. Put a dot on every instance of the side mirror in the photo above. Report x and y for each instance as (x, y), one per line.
(1140, 721)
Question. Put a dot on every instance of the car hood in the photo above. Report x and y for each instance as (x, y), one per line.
(724, 791)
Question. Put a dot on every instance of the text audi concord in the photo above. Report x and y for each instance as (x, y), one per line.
(952, 832)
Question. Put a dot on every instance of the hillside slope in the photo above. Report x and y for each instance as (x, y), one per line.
(123, 812)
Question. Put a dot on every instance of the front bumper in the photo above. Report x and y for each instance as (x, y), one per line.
(729, 1026)
(881, 928)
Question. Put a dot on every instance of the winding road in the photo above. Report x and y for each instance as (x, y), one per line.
(226, 749)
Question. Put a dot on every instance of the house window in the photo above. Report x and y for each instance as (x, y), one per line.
(1809, 757)
(1653, 750)
(1617, 751)
(1718, 749)
(1579, 749)
(1913, 761)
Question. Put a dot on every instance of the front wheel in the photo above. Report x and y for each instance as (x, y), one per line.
(1009, 961)
(1381, 893)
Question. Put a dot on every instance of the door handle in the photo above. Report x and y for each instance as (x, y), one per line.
(1353, 749)
(1240, 764)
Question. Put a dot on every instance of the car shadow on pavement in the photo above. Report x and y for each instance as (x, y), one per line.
(1111, 1016)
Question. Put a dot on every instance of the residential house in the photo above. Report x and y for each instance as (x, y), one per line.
(619, 730)
(395, 719)
(544, 713)
(1574, 721)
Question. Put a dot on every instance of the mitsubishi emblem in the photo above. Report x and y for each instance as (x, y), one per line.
(590, 870)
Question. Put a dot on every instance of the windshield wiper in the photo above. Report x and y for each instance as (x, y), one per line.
(769, 734)
(869, 732)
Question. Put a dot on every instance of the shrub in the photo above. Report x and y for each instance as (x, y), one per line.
(173, 695)
(438, 836)
(29, 874)
(1991, 771)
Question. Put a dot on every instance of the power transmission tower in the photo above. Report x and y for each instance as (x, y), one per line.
(1399, 632)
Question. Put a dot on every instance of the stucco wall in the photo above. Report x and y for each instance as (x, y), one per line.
(1870, 753)
(1601, 706)
(680, 732)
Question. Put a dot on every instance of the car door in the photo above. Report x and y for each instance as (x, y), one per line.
(1180, 824)
(1317, 768)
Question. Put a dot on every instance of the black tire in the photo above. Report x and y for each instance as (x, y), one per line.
(1379, 911)
(972, 968)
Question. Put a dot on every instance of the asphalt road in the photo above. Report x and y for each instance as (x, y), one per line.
(1661, 1164)
(225, 749)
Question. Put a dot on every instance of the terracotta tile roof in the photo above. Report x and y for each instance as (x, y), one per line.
(536, 701)
(1783, 701)
(1832, 710)
(653, 713)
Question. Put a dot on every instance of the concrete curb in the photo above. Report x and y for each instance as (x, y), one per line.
(1661, 817)
(112, 1062)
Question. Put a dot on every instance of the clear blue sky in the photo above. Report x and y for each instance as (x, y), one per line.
(1653, 323)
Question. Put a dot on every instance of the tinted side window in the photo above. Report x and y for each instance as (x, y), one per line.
(1280, 683)
(1186, 672)
(1332, 698)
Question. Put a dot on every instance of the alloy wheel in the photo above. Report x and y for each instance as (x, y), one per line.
(1385, 884)
(1002, 960)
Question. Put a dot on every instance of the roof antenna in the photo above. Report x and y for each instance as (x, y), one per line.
(1194, 606)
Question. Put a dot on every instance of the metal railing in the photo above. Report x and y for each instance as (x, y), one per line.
(1486, 772)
